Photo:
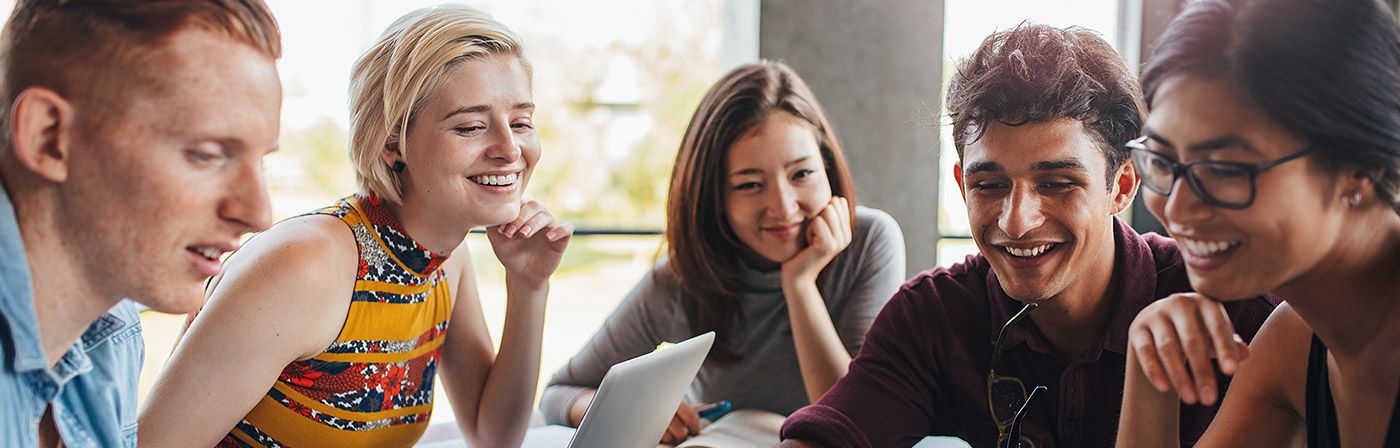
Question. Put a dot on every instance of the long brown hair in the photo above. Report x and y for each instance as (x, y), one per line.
(703, 249)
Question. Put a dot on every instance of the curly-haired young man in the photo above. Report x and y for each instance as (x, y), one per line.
(1040, 116)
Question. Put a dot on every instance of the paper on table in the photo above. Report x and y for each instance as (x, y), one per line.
(739, 429)
(552, 436)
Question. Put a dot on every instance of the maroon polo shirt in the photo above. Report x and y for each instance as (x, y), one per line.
(922, 370)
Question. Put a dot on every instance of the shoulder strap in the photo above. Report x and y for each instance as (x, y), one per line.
(1392, 436)
(1321, 414)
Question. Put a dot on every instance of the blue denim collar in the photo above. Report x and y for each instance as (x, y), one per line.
(17, 294)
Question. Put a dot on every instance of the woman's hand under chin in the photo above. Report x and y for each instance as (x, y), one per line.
(530, 246)
(827, 235)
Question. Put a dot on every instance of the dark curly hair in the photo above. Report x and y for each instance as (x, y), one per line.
(1035, 73)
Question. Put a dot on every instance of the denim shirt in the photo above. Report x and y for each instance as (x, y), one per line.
(92, 388)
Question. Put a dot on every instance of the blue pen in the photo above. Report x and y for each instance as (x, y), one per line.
(714, 411)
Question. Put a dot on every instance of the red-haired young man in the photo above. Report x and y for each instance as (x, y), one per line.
(131, 156)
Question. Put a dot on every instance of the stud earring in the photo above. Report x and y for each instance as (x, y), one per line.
(1355, 199)
(398, 166)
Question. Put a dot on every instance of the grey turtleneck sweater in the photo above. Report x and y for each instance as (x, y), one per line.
(856, 285)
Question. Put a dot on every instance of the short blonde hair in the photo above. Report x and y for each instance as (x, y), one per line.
(392, 79)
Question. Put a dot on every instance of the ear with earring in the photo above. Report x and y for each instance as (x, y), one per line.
(1354, 200)
(391, 148)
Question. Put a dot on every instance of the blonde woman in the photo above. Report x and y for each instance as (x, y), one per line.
(328, 329)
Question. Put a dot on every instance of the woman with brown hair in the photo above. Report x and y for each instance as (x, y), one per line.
(766, 248)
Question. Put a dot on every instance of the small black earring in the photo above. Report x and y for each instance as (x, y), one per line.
(398, 166)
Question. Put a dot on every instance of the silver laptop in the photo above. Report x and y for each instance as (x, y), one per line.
(638, 396)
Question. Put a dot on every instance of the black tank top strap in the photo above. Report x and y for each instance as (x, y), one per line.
(1322, 411)
(1392, 435)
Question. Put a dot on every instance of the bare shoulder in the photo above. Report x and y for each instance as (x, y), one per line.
(294, 279)
(1272, 380)
(307, 250)
(1264, 406)
(1280, 353)
(1284, 338)
(1286, 321)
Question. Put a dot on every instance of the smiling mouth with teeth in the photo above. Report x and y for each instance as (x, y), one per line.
(1030, 252)
(1202, 248)
(496, 181)
(209, 253)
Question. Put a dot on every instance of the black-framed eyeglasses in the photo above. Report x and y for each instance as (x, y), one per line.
(1218, 183)
(1006, 395)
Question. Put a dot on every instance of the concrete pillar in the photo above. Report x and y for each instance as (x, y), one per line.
(1151, 23)
(875, 67)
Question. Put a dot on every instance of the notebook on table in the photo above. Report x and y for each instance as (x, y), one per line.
(744, 428)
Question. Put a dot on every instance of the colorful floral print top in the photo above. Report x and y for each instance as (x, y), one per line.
(374, 385)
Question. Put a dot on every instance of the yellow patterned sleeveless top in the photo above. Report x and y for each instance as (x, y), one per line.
(374, 385)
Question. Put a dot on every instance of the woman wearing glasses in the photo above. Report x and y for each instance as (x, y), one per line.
(1272, 155)
(766, 247)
